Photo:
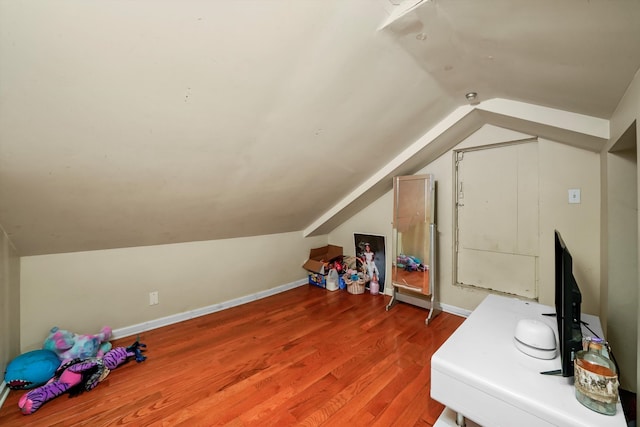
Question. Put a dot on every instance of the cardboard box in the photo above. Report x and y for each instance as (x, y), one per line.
(320, 257)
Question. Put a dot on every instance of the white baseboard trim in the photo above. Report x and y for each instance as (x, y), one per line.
(420, 301)
(175, 318)
(180, 317)
(128, 331)
(4, 392)
(454, 310)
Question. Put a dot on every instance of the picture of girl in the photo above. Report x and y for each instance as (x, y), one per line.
(371, 251)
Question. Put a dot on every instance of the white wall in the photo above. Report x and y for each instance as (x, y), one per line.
(561, 167)
(627, 111)
(84, 291)
(622, 263)
(9, 303)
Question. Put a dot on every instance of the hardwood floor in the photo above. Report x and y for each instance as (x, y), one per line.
(303, 357)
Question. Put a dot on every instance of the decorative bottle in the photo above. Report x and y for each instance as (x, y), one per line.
(596, 380)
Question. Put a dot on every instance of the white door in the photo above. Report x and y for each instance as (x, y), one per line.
(497, 218)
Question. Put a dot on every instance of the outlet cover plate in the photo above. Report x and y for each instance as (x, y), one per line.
(153, 298)
(574, 195)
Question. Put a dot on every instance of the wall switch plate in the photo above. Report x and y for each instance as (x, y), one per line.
(153, 298)
(574, 195)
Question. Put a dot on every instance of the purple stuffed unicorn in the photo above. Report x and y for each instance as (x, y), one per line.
(79, 375)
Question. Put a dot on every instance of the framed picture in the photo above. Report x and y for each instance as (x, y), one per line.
(370, 249)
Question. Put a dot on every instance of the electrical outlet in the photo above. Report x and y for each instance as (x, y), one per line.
(574, 195)
(153, 298)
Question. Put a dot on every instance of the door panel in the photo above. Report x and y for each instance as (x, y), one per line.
(503, 272)
(497, 218)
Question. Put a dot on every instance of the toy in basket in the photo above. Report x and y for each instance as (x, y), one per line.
(355, 282)
(355, 276)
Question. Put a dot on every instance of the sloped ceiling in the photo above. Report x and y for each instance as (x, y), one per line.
(147, 122)
(575, 55)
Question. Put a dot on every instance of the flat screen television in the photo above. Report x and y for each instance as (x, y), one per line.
(568, 300)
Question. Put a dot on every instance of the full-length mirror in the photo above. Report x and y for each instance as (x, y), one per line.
(413, 239)
(412, 217)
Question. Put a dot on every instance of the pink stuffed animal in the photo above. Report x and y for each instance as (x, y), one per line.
(68, 345)
(79, 375)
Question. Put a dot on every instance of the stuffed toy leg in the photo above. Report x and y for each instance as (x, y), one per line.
(79, 375)
(119, 355)
(68, 376)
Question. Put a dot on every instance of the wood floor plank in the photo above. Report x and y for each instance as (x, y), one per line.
(302, 357)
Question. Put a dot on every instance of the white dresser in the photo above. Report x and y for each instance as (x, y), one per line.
(480, 374)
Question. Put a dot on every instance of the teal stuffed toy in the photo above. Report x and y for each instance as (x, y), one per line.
(31, 369)
(68, 345)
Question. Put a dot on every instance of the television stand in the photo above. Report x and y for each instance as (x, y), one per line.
(479, 374)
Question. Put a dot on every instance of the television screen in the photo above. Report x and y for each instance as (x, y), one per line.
(568, 300)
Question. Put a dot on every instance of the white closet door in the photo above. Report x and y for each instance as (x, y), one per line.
(497, 218)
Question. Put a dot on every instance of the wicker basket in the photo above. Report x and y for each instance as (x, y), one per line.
(355, 286)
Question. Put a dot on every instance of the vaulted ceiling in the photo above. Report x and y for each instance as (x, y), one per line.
(128, 123)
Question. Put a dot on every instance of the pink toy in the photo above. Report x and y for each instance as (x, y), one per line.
(79, 375)
(68, 345)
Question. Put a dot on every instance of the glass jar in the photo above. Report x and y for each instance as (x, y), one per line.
(596, 380)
